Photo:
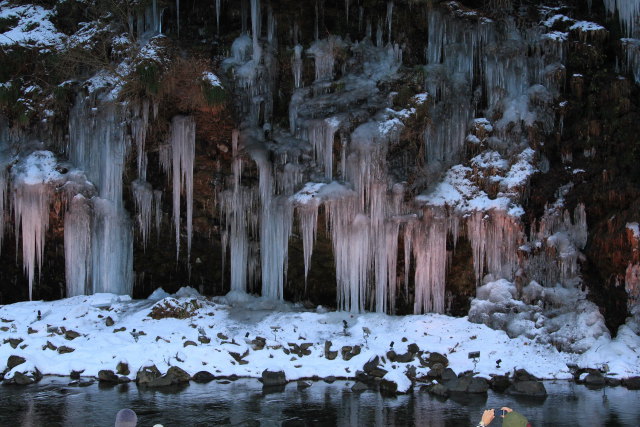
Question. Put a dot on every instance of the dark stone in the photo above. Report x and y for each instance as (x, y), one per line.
(448, 375)
(613, 382)
(109, 321)
(147, 374)
(203, 377)
(177, 375)
(273, 378)
(522, 375)
(64, 349)
(388, 387)
(632, 383)
(458, 385)
(330, 355)
(391, 355)
(163, 381)
(404, 358)
(500, 383)
(527, 388)
(188, 343)
(439, 390)
(478, 385)
(358, 387)
(107, 376)
(371, 364)
(434, 358)
(123, 379)
(49, 346)
(75, 375)
(204, 340)
(258, 343)
(122, 368)
(378, 373)
(330, 379)
(71, 335)
(346, 352)
(222, 336)
(594, 380)
(23, 379)
(14, 361)
(413, 348)
(13, 342)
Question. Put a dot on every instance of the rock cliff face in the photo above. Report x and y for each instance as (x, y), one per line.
(393, 156)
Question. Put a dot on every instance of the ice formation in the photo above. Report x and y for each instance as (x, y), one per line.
(182, 141)
(33, 181)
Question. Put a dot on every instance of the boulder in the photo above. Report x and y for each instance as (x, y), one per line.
(71, 335)
(23, 379)
(107, 376)
(359, 387)
(203, 377)
(188, 343)
(177, 375)
(273, 378)
(632, 383)
(439, 390)
(500, 383)
(613, 382)
(330, 355)
(527, 388)
(122, 368)
(434, 358)
(14, 361)
(523, 375)
(388, 387)
(303, 384)
(147, 374)
(64, 349)
(109, 321)
(75, 375)
(478, 385)
(595, 380)
(371, 364)
(448, 375)
(258, 343)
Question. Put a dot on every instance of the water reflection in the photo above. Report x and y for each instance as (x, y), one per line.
(245, 403)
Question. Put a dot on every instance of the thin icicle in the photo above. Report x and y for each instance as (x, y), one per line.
(218, 16)
(182, 139)
(296, 66)
(143, 197)
(389, 18)
(274, 245)
(308, 217)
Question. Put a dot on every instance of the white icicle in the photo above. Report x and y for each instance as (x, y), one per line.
(296, 66)
(77, 247)
(183, 139)
(274, 245)
(389, 18)
(218, 16)
(256, 20)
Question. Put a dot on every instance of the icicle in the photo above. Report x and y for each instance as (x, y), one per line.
(4, 183)
(77, 247)
(139, 132)
(346, 9)
(296, 66)
(156, 18)
(182, 139)
(217, 16)
(157, 201)
(321, 134)
(143, 197)
(316, 30)
(256, 20)
(379, 34)
(389, 18)
(31, 191)
(308, 217)
(324, 52)
(178, 16)
(628, 13)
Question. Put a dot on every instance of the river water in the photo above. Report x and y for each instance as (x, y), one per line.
(244, 403)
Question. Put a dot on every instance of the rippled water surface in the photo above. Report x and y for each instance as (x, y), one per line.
(245, 403)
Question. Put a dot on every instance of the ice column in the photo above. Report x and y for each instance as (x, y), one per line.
(183, 139)
(77, 246)
(296, 66)
(274, 244)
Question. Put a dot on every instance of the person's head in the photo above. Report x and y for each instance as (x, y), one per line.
(126, 418)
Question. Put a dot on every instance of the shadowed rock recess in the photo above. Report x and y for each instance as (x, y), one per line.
(468, 157)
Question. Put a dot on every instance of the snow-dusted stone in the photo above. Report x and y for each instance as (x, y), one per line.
(107, 376)
(22, 379)
(146, 374)
(448, 375)
(359, 386)
(273, 378)
(122, 368)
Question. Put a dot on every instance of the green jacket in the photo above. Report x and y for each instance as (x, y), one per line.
(515, 419)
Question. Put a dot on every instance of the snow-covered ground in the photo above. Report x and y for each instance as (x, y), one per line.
(231, 324)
